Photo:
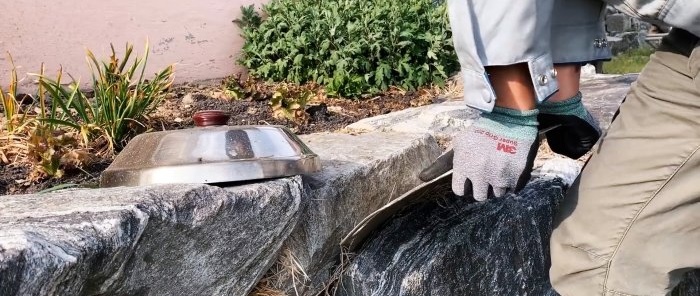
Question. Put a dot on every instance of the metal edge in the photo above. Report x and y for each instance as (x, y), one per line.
(242, 170)
(362, 230)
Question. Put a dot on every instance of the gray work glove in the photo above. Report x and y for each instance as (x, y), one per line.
(569, 127)
(495, 155)
(577, 130)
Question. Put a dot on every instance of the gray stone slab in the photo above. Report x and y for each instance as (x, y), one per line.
(158, 240)
(440, 120)
(360, 174)
(602, 95)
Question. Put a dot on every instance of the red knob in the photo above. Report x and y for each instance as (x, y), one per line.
(210, 118)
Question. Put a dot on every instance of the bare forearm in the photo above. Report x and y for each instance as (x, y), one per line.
(513, 86)
(568, 78)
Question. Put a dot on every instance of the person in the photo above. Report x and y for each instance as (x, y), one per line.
(630, 224)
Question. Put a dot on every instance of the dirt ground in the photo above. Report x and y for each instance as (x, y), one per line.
(324, 114)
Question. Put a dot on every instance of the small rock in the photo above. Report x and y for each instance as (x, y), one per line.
(440, 120)
(335, 109)
(588, 70)
(178, 120)
(187, 99)
(318, 112)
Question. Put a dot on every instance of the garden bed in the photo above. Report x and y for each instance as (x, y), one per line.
(322, 114)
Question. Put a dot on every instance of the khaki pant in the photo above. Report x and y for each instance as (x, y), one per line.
(631, 224)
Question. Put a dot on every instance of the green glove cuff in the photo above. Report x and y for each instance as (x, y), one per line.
(570, 106)
(518, 117)
(511, 123)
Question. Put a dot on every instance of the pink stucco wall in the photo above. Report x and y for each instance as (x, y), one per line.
(197, 35)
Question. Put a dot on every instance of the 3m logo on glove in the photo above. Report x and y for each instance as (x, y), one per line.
(506, 148)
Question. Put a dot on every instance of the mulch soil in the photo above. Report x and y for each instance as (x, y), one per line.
(324, 114)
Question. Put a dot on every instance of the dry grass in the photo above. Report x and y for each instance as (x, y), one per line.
(27, 139)
(48, 150)
(336, 280)
(262, 289)
(12, 145)
(453, 89)
(287, 268)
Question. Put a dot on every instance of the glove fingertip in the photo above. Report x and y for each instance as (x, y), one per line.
(480, 198)
(499, 191)
(461, 186)
(481, 193)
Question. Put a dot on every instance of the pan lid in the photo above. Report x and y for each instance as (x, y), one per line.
(212, 152)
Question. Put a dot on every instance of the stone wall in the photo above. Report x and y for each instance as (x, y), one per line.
(190, 239)
(626, 33)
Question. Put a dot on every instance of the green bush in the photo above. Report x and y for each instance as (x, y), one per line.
(352, 47)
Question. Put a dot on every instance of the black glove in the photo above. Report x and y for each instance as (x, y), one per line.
(577, 130)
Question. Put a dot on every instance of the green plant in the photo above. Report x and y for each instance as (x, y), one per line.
(123, 98)
(632, 61)
(237, 88)
(59, 187)
(352, 47)
(16, 121)
(290, 103)
(11, 106)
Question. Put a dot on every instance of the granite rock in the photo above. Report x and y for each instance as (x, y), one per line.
(454, 246)
(156, 240)
(448, 245)
(440, 120)
(360, 174)
(602, 95)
